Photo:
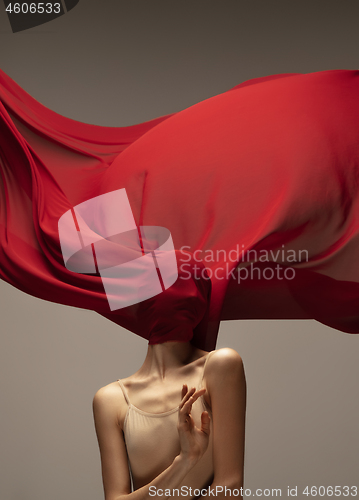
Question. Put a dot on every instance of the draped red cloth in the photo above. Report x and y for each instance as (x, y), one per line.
(264, 176)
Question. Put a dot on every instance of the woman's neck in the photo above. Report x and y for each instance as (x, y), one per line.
(166, 357)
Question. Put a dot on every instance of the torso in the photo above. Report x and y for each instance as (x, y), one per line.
(148, 413)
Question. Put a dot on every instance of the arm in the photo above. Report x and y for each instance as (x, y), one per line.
(115, 472)
(226, 389)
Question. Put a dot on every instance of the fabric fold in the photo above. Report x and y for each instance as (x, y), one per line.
(258, 184)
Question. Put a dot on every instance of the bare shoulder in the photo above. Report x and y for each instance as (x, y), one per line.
(224, 369)
(224, 360)
(106, 394)
(109, 402)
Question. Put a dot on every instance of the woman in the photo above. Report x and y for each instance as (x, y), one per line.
(253, 181)
(178, 422)
(209, 447)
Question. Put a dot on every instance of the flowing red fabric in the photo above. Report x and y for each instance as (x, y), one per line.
(259, 183)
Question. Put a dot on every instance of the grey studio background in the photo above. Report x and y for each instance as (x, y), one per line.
(118, 63)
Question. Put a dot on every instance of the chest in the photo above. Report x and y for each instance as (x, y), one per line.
(152, 441)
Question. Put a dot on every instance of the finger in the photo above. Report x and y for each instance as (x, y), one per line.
(187, 396)
(205, 423)
(191, 393)
(187, 406)
(184, 391)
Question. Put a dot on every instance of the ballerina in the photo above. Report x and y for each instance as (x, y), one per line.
(176, 427)
(267, 172)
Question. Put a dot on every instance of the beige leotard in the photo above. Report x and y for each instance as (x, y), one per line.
(152, 443)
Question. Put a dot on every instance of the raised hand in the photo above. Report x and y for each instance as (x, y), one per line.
(194, 441)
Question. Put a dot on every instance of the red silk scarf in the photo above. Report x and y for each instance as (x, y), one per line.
(264, 176)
